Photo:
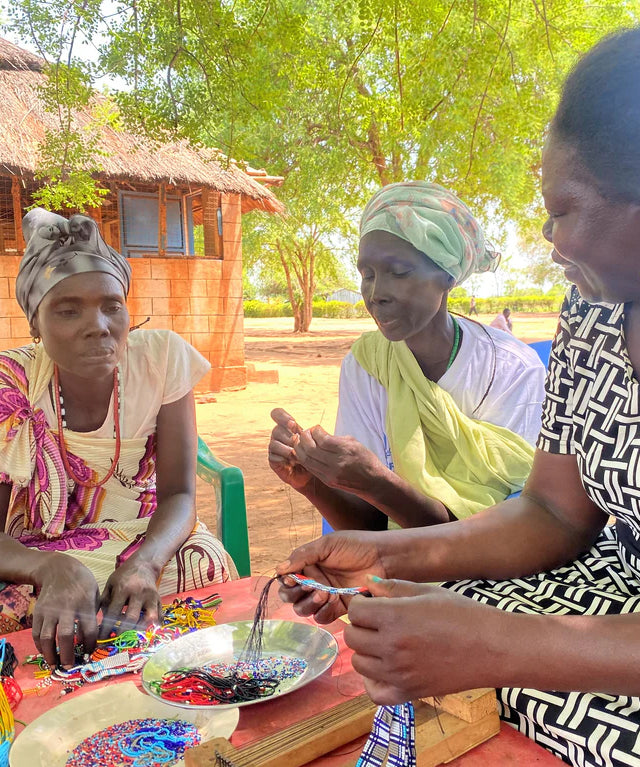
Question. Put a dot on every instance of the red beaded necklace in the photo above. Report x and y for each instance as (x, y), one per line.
(63, 447)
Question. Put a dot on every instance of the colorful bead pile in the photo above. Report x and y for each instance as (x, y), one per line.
(138, 743)
(221, 683)
(279, 666)
(128, 651)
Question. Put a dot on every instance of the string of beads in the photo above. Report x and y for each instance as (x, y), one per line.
(62, 424)
(128, 651)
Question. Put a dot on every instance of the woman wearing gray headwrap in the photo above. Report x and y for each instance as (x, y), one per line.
(58, 248)
(97, 450)
(437, 413)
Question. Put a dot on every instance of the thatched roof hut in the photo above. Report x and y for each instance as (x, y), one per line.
(128, 157)
(174, 210)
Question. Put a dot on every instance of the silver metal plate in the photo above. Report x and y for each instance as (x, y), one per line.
(47, 741)
(224, 644)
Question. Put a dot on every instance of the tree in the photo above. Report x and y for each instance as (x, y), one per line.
(303, 244)
(541, 272)
(341, 96)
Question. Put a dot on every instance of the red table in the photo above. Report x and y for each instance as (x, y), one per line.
(339, 683)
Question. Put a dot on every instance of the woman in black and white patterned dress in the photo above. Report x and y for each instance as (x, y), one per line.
(551, 616)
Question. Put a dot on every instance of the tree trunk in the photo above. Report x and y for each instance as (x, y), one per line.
(295, 306)
(310, 286)
(298, 315)
(302, 264)
(307, 313)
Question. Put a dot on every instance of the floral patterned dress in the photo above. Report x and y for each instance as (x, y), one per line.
(99, 526)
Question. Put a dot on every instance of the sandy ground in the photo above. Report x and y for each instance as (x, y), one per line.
(237, 425)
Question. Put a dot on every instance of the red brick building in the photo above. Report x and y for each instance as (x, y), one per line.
(175, 212)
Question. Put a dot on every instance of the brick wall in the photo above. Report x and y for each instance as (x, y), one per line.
(14, 328)
(199, 298)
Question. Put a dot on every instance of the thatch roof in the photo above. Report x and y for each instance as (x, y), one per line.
(23, 122)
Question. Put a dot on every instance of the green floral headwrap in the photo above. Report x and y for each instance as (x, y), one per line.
(435, 222)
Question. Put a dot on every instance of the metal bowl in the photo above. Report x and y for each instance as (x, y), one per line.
(47, 741)
(224, 644)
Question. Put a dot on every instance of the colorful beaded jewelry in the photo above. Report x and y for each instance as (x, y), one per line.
(302, 580)
(8, 663)
(128, 651)
(198, 687)
(227, 683)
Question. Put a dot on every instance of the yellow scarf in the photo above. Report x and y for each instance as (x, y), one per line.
(466, 464)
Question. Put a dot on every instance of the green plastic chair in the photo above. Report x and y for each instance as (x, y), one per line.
(231, 510)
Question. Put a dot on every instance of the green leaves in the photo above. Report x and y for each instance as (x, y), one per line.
(338, 96)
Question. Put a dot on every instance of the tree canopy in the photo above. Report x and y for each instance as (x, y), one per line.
(339, 96)
(367, 91)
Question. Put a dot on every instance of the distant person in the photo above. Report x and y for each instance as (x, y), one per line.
(502, 321)
(437, 413)
(473, 309)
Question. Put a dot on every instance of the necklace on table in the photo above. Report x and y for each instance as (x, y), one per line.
(62, 424)
(456, 341)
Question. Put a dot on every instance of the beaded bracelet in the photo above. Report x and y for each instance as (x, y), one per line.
(302, 580)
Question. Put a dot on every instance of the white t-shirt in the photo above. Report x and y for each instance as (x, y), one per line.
(513, 400)
(157, 368)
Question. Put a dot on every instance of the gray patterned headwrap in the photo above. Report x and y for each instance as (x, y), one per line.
(58, 248)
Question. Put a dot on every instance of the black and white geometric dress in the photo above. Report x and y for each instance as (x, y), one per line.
(592, 410)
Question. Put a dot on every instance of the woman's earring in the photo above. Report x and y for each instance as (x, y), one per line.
(36, 340)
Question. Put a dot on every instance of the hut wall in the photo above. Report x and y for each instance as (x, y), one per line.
(14, 328)
(199, 298)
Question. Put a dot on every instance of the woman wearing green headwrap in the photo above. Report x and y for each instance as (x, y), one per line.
(437, 413)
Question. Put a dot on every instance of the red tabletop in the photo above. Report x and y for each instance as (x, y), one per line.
(339, 683)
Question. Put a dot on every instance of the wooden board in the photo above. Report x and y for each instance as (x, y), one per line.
(440, 735)
(296, 745)
(470, 705)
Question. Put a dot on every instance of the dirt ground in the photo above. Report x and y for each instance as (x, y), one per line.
(237, 425)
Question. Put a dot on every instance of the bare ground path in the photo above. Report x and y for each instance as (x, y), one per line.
(237, 425)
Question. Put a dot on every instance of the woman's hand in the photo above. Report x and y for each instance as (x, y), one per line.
(339, 462)
(68, 592)
(281, 455)
(414, 640)
(132, 590)
(338, 559)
